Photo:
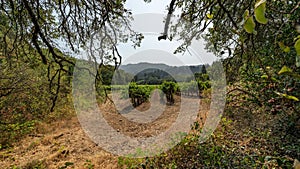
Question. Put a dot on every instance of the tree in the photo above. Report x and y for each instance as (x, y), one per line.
(203, 69)
(33, 27)
(227, 29)
(40, 24)
(253, 36)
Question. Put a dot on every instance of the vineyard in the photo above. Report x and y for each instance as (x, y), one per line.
(144, 68)
(139, 94)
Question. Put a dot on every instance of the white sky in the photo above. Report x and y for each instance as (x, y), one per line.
(148, 19)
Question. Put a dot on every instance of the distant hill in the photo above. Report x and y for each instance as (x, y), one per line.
(158, 72)
(136, 68)
(181, 70)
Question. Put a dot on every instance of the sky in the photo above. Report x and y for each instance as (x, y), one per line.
(148, 19)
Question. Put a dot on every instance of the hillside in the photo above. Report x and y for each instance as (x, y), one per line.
(154, 73)
(175, 70)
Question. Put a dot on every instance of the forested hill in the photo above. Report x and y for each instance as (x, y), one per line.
(178, 70)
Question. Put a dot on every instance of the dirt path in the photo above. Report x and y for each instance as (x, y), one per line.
(65, 141)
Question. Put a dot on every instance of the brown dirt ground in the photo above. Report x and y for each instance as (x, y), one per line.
(65, 141)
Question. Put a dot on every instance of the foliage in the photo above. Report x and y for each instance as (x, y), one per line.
(201, 76)
(108, 75)
(259, 11)
(254, 40)
(169, 88)
(258, 42)
(139, 94)
(51, 31)
(152, 77)
(88, 164)
(259, 37)
(189, 88)
(25, 99)
(20, 101)
(230, 146)
(194, 88)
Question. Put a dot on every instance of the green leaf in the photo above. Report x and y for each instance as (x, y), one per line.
(249, 25)
(209, 16)
(297, 47)
(285, 70)
(264, 77)
(290, 97)
(259, 12)
(287, 49)
(284, 48)
(296, 38)
(274, 79)
(246, 14)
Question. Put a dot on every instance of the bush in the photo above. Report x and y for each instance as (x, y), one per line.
(139, 94)
(25, 99)
(169, 88)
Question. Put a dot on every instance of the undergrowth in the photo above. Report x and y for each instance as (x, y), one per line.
(247, 137)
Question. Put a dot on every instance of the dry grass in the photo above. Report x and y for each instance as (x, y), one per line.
(55, 144)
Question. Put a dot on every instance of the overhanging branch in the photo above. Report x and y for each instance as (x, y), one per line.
(171, 10)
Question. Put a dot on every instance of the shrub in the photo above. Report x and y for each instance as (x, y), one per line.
(169, 88)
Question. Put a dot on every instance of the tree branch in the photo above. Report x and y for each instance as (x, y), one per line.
(228, 14)
(171, 10)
